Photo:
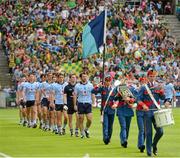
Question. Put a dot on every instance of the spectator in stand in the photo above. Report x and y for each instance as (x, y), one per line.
(168, 8)
(159, 7)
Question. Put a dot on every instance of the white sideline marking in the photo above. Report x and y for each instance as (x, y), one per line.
(86, 156)
(4, 155)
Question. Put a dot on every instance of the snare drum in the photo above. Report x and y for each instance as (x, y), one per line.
(164, 117)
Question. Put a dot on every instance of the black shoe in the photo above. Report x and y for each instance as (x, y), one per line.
(82, 136)
(124, 144)
(29, 126)
(24, 123)
(141, 148)
(60, 133)
(46, 129)
(76, 134)
(40, 126)
(35, 125)
(149, 154)
(63, 131)
(106, 142)
(154, 150)
(56, 131)
(86, 133)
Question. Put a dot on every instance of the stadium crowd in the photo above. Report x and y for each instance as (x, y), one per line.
(40, 36)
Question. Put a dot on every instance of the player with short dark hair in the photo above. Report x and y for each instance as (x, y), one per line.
(45, 91)
(20, 101)
(68, 100)
(83, 100)
(30, 93)
(58, 93)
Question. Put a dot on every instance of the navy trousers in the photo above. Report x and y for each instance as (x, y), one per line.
(108, 120)
(140, 123)
(124, 116)
(149, 121)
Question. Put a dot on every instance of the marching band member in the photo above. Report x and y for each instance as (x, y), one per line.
(107, 108)
(140, 120)
(145, 102)
(125, 113)
(139, 112)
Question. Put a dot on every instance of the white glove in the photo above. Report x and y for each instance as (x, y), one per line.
(101, 119)
(65, 108)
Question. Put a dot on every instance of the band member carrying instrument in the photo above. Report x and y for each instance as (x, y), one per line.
(140, 114)
(147, 104)
(124, 103)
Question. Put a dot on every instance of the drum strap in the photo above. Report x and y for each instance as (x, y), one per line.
(151, 96)
(102, 112)
(108, 97)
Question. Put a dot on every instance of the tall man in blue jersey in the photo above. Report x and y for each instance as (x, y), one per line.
(42, 100)
(30, 92)
(58, 90)
(20, 102)
(145, 101)
(83, 99)
(46, 95)
(169, 91)
(37, 107)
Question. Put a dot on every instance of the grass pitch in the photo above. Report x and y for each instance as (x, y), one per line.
(18, 141)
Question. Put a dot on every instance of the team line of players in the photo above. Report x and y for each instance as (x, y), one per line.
(49, 100)
(53, 99)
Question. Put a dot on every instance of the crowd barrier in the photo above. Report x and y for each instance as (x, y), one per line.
(7, 100)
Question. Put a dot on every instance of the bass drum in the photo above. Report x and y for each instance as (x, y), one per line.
(164, 117)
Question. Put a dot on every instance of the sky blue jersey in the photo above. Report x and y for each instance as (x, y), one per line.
(83, 92)
(30, 91)
(59, 92)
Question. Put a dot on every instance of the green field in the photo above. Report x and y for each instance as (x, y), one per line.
(18, 141)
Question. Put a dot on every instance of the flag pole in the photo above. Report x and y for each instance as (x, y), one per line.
(104, 53)
(104, 43)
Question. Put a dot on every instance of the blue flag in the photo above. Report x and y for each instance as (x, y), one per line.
(93, 35)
